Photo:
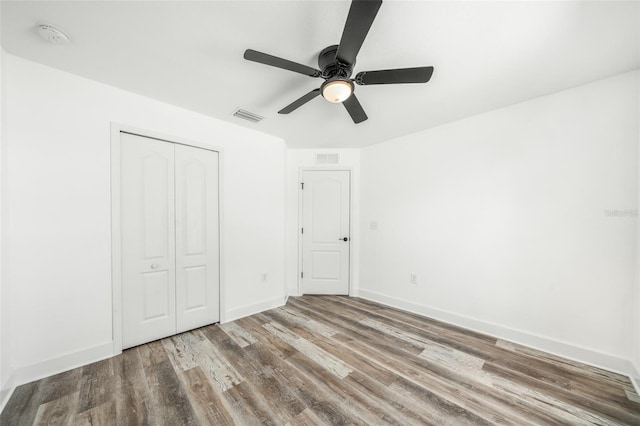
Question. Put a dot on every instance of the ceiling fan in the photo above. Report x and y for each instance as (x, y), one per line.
(336, 65)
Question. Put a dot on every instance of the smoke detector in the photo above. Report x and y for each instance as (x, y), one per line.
(52, 34)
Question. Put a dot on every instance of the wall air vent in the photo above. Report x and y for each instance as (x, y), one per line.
(246, 115)
(326, 159)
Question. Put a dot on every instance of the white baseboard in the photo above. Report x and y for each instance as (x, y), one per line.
(293, 292)
(635, 377)
(636, 385)
(563, 349)
(6, 389)
(245, 311)
(52, 366)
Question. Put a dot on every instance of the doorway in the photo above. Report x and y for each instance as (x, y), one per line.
(325, 231)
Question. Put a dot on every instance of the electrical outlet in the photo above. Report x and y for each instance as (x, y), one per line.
(413, 279)
(265, 277)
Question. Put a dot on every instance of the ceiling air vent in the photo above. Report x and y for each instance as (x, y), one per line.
(246, 115)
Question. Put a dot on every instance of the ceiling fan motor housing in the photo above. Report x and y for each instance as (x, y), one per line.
(331, 67)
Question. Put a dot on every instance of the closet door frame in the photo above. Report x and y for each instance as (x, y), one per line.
(116, 225)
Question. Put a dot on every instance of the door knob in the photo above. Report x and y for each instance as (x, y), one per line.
(154, 266)
(343, 239)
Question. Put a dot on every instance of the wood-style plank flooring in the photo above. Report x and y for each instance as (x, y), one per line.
(328, 360)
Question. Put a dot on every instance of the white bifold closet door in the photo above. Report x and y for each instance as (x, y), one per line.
(170, 240)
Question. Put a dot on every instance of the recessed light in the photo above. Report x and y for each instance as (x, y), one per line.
(52, 34)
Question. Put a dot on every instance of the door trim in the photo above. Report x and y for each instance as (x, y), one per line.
(301, 171)
(116, 220)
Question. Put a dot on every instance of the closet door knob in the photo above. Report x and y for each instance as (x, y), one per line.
(343, 239)
(154, 266)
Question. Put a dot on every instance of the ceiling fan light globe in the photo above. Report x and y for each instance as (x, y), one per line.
(337, 91)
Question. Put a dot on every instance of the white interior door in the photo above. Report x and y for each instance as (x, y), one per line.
(326, 239)
(169, 238)
(148, 239)
(197, 251)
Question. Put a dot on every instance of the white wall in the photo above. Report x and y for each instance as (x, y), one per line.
(3, 346)
(503, 217)
(636, 358)
(636, 334)
(58, 134)
(301, 158)
(5, 332)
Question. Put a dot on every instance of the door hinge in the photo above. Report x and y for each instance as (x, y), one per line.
(302, 230)
(302, 185)
(301, 274)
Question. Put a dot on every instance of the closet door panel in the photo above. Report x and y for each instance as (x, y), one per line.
(148, 239)
(197, 237)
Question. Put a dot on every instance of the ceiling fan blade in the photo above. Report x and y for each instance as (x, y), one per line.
(274, 61)
(361, 16)
(397, 76)
(299, 102)
(355, 109)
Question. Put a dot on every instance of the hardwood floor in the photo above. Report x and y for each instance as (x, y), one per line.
(328, 360)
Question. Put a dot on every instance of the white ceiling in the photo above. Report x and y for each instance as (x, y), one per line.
(486, 55)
